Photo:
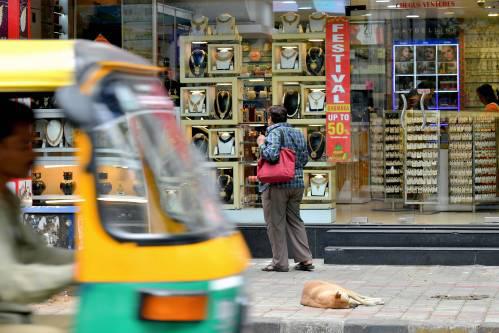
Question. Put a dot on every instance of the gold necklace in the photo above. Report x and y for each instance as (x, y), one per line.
(317, 182)
(196, 106)
(197, 68)
(220, 18)
(54, 141)
(315, 18)
(288, 53)
(313, 152)
(223, 93)
(293, 20)
(199, 24)
(219, 55)
(313, 64)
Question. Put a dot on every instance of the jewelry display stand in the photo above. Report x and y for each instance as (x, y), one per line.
(226, 25)
(288, 57)
(317, 22)
(199, 26)
(290, 23)
(224, 143)
(314, 100)
(318, 184)
(196, 101)
(224, 59)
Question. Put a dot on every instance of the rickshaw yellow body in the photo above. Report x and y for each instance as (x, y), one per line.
(112, 272)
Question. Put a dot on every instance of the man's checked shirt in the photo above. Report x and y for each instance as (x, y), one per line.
(293, 139)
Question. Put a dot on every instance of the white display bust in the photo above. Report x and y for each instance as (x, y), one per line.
(226, 24)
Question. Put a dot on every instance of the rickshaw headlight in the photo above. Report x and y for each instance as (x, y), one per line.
(160, 306)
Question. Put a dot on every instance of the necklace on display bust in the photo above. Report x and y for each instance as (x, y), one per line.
(291, 102)
(225, 185)
(226, 24)
(200, 141)
(54, 132)
(316, 152)
(224, 59)
(318, 184)
(225, 145)
(315, 60)
(223, 104)
(316, 100)
(290, 22)
(317, 21)
(196, 102)
(197, 62)
(199, 22)
(288, 58)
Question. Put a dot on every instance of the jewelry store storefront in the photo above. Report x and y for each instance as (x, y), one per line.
(423, 147)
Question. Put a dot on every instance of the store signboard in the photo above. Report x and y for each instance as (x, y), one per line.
(338, 115)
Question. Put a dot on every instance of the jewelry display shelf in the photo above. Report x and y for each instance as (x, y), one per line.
(421, 165)
(485, 159)
(48, 113)
(377, 177)
(204, 45)
(393, 157)
(298, 36)
(216, 143)
(461, 159)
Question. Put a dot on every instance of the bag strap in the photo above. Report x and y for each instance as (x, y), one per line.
(282, 139)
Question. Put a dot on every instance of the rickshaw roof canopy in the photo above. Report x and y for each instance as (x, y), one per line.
(45, 65)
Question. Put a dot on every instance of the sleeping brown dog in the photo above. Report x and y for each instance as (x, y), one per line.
(321, 294)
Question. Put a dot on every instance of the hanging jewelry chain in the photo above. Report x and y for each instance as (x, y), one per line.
(313, 152)
(316, 100)
(223, 93)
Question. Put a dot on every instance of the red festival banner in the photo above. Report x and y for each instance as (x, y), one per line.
(338, 115)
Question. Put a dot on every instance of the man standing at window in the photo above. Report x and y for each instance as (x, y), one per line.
(281, 201)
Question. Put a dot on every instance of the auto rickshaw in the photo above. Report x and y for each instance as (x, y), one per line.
(158, 257)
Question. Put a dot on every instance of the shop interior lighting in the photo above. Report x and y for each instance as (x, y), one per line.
(290, 47)
(197, 92)
(449, 13)
(493, 14)
(224, 48)
(316, 40)
(205, 127)
(305, 8)
(315, 125)
(291, 83)
(199, 42)
(368, 14)
(391, 6)
(256, 80)
(54, 202)
(412, 16)
(288, 2)
(224, 84)
(382, 0)
(122, 199)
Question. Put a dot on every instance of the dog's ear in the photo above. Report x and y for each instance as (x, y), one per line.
(338, 295)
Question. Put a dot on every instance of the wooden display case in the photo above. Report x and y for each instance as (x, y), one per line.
(313, 100)
(224, 143)
(226, 174)
(224, 59)
(288, 57)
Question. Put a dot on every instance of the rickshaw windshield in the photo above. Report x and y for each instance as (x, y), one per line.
(149, 179)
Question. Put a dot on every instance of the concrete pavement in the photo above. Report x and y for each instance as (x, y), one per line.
(418, 299)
